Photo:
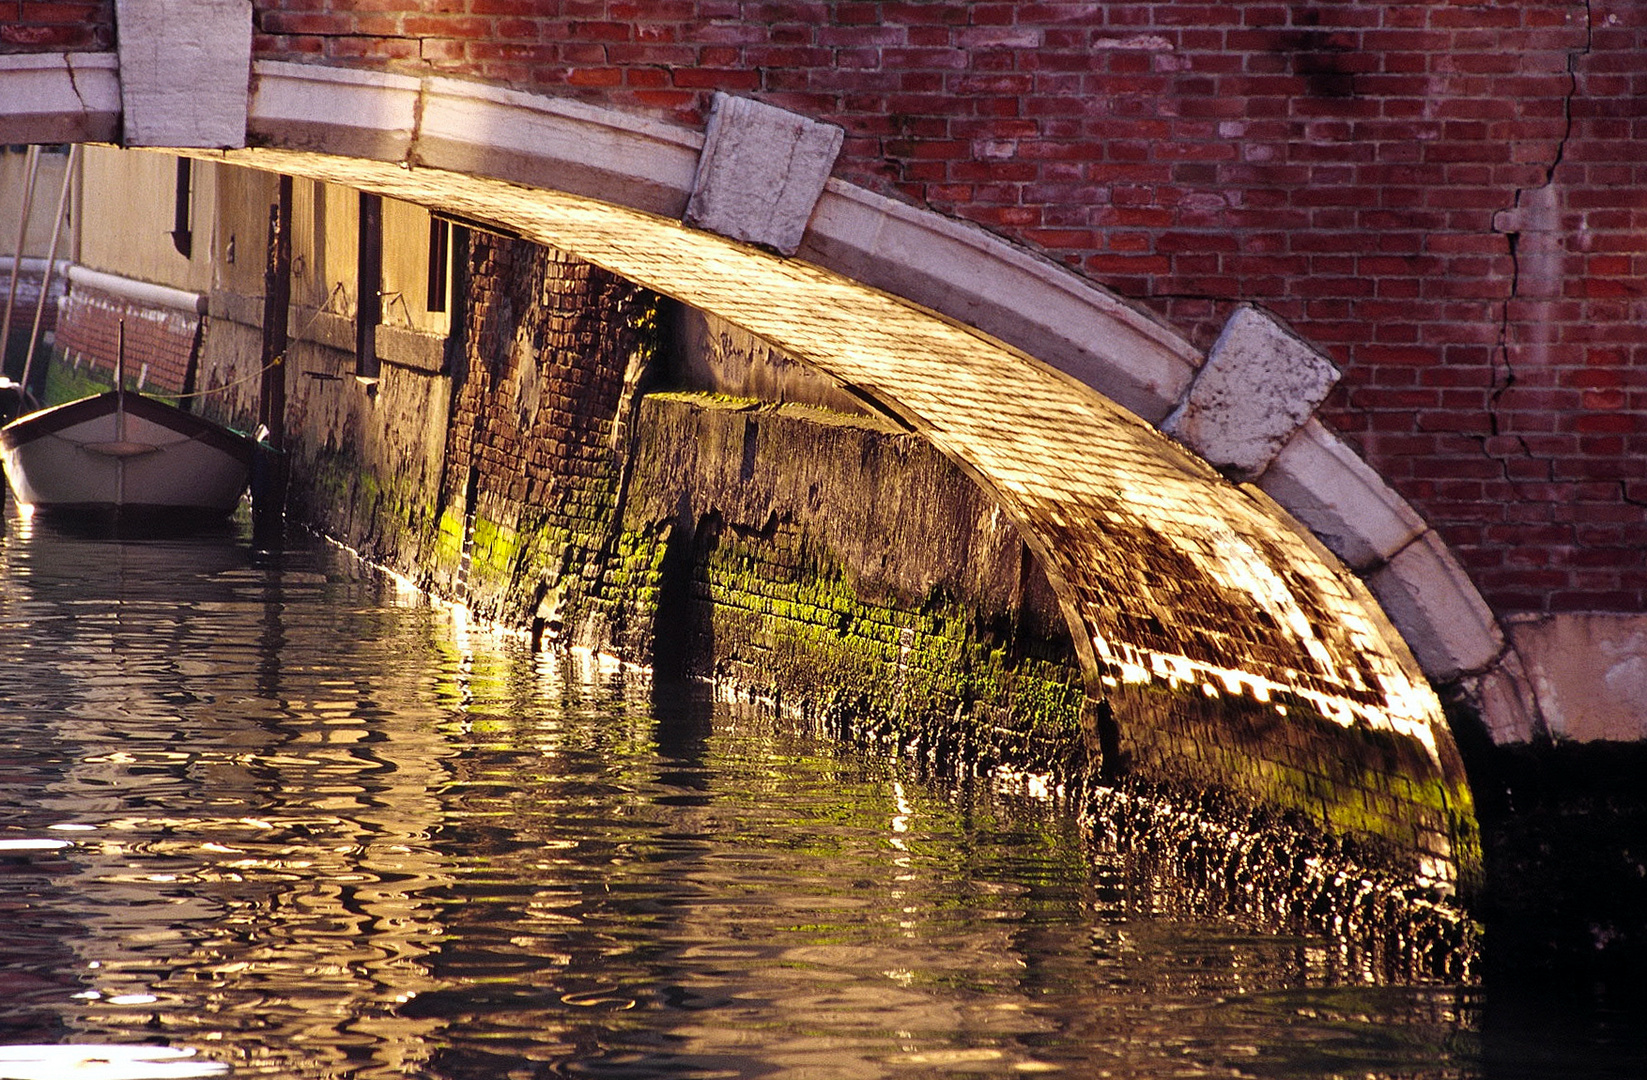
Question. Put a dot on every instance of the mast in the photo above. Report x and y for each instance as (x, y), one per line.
(120, 414)
(120, 374)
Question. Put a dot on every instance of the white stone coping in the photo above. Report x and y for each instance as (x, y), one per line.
(81, 81)
(59, 97)
(974, 277)
(138, 292)
(310, 107)
(569, 146)
(478, 130)
(1442, 617)
(1340, 498)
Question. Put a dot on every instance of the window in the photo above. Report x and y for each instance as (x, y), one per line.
(440, 263)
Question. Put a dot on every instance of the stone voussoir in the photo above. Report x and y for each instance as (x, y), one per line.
(184, 72)
(761, 173)
(1430, 599)
(1340, 498)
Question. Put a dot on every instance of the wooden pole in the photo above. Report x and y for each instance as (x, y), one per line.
(269, 466)
(369, 285)
(51, 263)
(17, 256)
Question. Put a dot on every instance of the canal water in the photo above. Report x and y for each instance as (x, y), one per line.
(280, 817)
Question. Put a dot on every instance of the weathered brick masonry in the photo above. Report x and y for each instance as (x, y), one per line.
(166, 342)
(532, 464)
(1443, 195)
(919, 615)
(708, 538)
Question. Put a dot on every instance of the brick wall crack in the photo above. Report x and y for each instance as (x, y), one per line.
(1574, 57)
(1509, 223)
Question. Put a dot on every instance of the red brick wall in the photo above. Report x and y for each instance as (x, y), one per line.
(88, 337)
(1446, 195)
(66, 25)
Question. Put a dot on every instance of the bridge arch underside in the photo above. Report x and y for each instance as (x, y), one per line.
(1224, 649)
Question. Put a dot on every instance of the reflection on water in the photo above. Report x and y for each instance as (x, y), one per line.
(280, 816)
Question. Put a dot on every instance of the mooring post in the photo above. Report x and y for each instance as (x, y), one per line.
(269, 463)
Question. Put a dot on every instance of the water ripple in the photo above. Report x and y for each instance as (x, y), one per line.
(274, 816)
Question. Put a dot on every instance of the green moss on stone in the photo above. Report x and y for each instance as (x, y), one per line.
(911, 673)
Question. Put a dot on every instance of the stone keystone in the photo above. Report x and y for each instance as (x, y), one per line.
(1260, 383)
(185, 71)
(761, 173)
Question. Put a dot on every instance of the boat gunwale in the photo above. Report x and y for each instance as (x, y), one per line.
(37, 425)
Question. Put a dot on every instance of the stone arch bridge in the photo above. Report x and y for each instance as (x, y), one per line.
(1176, 467)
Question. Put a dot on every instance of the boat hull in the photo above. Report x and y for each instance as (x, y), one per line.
(125, 455)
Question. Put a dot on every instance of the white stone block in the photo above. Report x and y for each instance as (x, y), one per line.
(1259, 384)
(185, 71)
(762, 172)
(1503, 696)
(1588, 672)
(1343, 501)
(1437, 610)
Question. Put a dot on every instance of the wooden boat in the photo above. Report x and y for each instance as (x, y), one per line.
(121, 456)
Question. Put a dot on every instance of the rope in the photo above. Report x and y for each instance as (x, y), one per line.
(258, 374)
(324, 309)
